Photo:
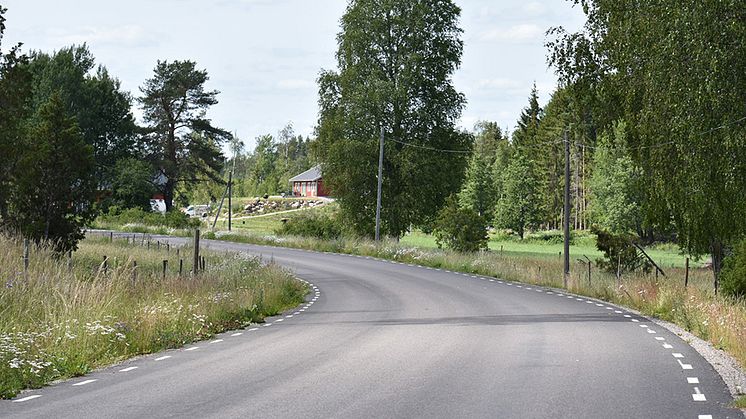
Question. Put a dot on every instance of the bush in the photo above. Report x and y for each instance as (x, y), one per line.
(460, 229)
(172, 219)
(733, 274)
(312, 224)
(619, 253)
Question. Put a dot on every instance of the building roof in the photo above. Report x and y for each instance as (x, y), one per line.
(309, 175)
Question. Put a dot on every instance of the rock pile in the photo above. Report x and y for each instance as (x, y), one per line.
(264, 206)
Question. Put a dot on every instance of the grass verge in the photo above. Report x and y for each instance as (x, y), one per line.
(61, 319)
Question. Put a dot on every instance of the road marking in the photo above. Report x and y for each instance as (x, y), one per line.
(660, 338)
(253, 329)
(635, 320)
(609, 308)
(698, 396)
(128, 369)
(550, 292)
(82, 383)
(216, 341)
(519, 286)
(302, 310)
(644, 325)
(684, 366)
(651, 331)
(289, 316)
(617, 312)
(677, 355)
(627, 316)
(162, 358)
(192, 348)
(279, 320)
(528, 288)
(237, 334)
(600, 305)
(492, 280)
(296, 313)
(667, 346)
(704, 417)
(692, 380)
(27, 398)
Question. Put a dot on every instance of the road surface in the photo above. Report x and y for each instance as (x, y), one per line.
(379, 339)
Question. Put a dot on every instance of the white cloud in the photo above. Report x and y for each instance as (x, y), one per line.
(295, 84)
(535, 8)
(499, 83)
(125, 35)
(514, 34)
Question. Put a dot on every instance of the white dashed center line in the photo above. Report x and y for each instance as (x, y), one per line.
(82, 383)
(27, 398)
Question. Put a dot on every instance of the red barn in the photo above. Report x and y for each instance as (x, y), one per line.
(309, 183)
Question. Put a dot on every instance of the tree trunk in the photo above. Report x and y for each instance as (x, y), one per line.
(717, 252)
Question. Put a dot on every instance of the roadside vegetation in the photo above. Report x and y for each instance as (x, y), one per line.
(60, 321)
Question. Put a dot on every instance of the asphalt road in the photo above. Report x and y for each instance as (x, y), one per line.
(378, 339)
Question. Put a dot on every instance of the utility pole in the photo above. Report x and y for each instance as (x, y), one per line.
(230, 196)
(567, 210)
(380, 182)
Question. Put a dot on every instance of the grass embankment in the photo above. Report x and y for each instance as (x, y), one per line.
(718, 319)
(60, 321)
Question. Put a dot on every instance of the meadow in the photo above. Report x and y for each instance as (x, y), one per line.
(65, 317)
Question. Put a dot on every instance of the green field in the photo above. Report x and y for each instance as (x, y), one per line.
(666, 256)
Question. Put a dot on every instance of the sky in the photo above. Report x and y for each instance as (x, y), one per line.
(264, 55)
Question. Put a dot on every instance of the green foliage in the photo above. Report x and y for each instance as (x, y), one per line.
(620, 254)
(316, 224)
(519, 207)
(132, 184)
(102, 110)
(616, 185)
(54, 198)
(183, 144)
(171, 219)
(396, 60)
(460, 229)
(681, 99)
(479, 190)
(733, 276)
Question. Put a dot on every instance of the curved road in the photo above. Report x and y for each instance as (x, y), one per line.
(380, 339)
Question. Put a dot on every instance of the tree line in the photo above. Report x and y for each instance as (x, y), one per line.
(71, 148)
(656, 129)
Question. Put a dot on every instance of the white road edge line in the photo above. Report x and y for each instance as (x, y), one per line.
(162, 358)
(128, 369)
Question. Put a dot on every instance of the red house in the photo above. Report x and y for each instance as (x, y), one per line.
(308, 183)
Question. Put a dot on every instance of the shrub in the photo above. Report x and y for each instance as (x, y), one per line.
(172, 219)
(312, 224)
(733, 274)
(619, 253)
(460, 229)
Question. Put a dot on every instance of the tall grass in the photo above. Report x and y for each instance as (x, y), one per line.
(61, 320)
(720, 320)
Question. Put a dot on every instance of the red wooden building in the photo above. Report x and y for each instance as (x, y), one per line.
(309, 183)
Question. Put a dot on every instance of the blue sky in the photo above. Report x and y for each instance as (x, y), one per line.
(264, 55)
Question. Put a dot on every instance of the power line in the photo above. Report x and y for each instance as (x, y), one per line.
(439, 150)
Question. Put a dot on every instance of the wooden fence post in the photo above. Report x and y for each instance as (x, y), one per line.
(686, 275)
(165, 265)
(181, 266)
(134, 272)
(105, 264)
(195, 268)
